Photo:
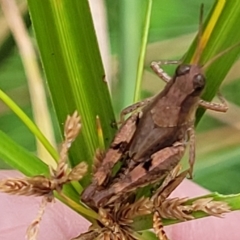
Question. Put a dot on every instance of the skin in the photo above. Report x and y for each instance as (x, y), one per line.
(61, 223)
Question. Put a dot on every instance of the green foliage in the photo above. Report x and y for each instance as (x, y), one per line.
(74, 70)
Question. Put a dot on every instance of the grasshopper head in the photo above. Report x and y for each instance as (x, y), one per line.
(189, 79)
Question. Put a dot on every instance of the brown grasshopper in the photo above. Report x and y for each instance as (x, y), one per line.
(165, 120)
(152, 140)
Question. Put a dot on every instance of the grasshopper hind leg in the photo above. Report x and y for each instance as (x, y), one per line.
(158, 226)
(192, 146)
(133, 108)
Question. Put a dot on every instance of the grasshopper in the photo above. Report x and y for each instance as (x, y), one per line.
(164, 120)
(163, 123)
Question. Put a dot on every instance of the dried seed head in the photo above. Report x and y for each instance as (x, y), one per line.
(15, 186)
(212, 208)
(97, 160)
(37, 186)
(72, 128)
(105, 235)
(33, 229)
(78, 172)
(105, 217)
(174, 209)
(114, 226)
(41, 185)
(117, 234)
(93, 234)
(119, 213)
(143, 206)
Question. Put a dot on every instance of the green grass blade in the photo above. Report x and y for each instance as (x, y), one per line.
(220, 32)
(27, 121)
(142, 52)
(130, 31)
(72, 63)
(19, 158)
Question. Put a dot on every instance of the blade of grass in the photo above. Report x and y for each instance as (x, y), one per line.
(72, 63)
(142, 52)
(28, 122)
(130, 31)
(19, 158)
(6, 39)
(219, 32)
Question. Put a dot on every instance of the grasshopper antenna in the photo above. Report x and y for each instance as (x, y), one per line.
(199, 49)
(207, 64)
(197, 54)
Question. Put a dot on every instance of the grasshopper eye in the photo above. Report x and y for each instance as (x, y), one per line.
(198, 82)
(182, 70)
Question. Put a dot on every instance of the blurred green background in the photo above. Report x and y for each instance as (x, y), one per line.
(173, 27)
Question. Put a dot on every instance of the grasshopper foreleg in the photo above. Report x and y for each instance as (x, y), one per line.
(219, 107)
(160, 72)
(163, 75)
